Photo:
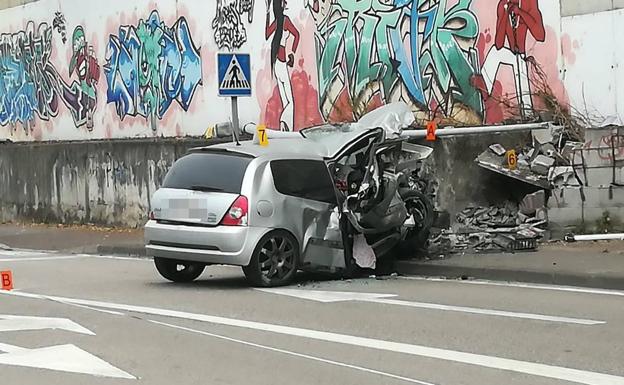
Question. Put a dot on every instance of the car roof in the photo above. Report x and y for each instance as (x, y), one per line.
(324, 145)
(283, 148)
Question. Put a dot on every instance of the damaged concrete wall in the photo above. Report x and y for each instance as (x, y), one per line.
(104, 182)
(462, 182)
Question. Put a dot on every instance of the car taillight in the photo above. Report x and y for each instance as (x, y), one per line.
(237, 214)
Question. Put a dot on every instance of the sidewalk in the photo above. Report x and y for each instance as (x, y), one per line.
(590, 264)
(73, 239)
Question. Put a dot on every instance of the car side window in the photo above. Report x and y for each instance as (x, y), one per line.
(308, 179)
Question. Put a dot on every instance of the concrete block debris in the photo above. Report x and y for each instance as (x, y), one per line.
(498, 149)
(542, 164)
(532, 202)
(496, 228)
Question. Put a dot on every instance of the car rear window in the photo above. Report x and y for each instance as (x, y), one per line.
(208, 171)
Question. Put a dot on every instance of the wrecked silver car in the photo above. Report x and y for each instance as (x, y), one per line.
(333, 198)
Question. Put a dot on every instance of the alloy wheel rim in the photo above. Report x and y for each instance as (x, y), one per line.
(418, 209)
(277, 258)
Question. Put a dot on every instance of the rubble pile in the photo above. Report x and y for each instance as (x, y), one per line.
(508, 227)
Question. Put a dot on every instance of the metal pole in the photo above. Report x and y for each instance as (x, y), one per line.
(235, 123)
(594, 237)
(450, 131)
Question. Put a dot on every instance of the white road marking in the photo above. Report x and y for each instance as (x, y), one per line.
(328, 296)
(23, 252)
(18, 323)
(291, 353)
(339, 296)
(6, 348)
(32, 255)
(30, 259)
(531, 368)
(111, 312)
(64, 358)
(571, 289)
(140, 259)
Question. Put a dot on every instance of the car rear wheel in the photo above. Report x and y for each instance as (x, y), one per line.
(178, 271)
(274, 261)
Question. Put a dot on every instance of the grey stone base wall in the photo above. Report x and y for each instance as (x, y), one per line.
(110, 182)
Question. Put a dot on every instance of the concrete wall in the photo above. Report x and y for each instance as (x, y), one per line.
(598, 204)
(14, 3)
(102, 182)
(583, 7)
(111, 182)
(141, 68)
(592, 63)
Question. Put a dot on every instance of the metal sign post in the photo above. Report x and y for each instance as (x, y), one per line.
(235, 124)
(234, 73)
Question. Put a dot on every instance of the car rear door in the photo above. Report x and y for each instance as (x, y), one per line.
(310, 210)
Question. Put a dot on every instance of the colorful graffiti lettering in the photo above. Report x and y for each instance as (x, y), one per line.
(150, 66)
(228, 27)
(28, 80)
(30, 85)
(418, 51)
(448, 57)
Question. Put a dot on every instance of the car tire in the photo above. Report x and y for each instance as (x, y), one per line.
(170, 269)
(275, 260)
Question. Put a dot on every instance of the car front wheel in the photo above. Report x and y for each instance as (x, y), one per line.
(178, 271)
(274, 261)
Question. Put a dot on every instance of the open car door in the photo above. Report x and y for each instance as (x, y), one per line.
(324, 236)
(348, 169)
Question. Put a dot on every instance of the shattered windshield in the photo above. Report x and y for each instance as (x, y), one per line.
(323, 131)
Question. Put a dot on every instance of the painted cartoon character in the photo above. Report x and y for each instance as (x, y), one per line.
(515, 20)
(280, 30)
(81, 96)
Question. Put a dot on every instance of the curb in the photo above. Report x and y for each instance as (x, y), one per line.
(133, 251)
(5, 247)
(496, 274)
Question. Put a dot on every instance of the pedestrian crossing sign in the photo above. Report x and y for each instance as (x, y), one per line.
(234, 70)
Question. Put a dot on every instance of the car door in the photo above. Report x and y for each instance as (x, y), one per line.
(310, 210)
(353, 165)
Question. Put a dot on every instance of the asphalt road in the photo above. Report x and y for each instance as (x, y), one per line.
(117, 322)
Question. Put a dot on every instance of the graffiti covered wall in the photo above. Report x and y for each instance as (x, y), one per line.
(120, 69)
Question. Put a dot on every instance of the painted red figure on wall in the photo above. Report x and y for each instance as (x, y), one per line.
(515, 20)
(281, 29)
